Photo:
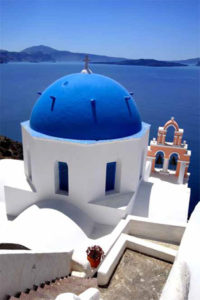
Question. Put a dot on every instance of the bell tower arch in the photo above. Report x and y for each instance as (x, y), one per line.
(176, 147)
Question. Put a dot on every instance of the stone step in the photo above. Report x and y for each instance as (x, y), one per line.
(50, 290)
(23, 296)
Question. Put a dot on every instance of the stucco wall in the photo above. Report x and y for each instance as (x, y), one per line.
(86, 168)
(18, 200)
(145, 228)
(86, 164)
(20, 270)
(183, 281)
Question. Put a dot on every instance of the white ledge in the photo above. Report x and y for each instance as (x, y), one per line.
(126, 241)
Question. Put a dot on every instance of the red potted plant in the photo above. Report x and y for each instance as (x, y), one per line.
(94, 255)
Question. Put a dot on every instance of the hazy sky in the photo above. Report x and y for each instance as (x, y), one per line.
(162, 29)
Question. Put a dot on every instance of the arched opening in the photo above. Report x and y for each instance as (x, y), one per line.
(159, 161)
(173, 162)
(61, 178)
(170, 134)
(110, 176)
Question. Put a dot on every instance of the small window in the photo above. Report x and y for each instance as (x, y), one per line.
(110, 176)
(63, 177)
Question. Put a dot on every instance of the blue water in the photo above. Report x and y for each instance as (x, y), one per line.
(159, 93)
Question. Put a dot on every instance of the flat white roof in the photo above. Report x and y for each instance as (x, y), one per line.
(161, 199)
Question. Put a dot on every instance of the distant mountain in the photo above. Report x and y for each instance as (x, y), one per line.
(40, 48)
(147, 62)
(7, 56)
(59, 55)
(191, 61)
(43, 53)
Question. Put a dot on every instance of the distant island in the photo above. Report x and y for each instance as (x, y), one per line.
(47, 54)
(146, 62)
(191, 61)
(41, 53)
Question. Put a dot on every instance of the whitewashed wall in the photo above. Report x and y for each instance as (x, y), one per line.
(183, 280)
(146, 228)
(17, 200)
(86, 168)
(20, 270)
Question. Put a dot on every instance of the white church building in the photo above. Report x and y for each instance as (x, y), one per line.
(85, 144)
(86, 176)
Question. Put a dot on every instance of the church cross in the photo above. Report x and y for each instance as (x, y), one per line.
(86, 60)
(86, 69)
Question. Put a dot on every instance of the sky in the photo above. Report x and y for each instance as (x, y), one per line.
(159, 29)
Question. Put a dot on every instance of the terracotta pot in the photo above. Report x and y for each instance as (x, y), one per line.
(94, 263)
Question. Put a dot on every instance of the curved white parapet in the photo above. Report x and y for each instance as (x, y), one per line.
(89, 294)
(43, 229)
(67, 296)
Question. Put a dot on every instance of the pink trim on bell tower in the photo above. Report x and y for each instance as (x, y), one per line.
(168, 149)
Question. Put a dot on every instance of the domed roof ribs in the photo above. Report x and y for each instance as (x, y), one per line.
(86, 107)
(53, 102)
(93, 105)
(127, 98)
(86, 69)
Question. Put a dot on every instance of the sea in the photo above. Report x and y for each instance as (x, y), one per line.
(159, 92)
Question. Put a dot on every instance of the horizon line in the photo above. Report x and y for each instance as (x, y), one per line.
(177, 59)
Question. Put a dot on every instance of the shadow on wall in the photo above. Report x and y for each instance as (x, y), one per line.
(171, 179)
(71, 211)
(141, 205)
(11, 246)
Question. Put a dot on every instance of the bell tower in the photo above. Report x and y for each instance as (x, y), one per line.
(170, 158)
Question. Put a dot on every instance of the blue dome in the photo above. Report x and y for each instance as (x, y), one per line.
(86, 107)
